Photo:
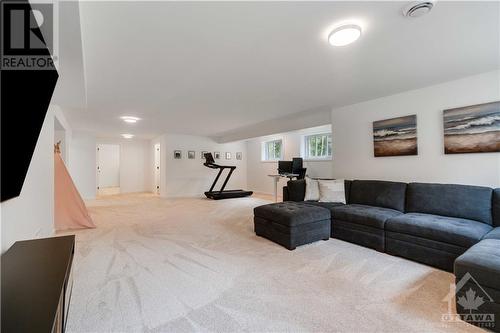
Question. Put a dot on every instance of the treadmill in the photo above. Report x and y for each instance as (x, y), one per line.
(221, 194)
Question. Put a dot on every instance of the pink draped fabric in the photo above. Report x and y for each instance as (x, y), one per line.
(69, 210)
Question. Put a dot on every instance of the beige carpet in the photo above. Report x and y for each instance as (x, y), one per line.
(194, 265)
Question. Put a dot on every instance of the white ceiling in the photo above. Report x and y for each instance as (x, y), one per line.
(211, 68)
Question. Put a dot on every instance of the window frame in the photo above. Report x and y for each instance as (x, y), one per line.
(305, 145)
(264, 150)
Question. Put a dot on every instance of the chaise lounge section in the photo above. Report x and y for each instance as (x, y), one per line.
(478, 270)
(441, 222)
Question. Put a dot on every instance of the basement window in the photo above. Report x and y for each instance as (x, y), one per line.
(318, 146)
(272, 150)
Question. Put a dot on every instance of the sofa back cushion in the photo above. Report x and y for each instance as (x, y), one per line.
(378, 193)
(462, 201)
(496, 207)
(296, 189)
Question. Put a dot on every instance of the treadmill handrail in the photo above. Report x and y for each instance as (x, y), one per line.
(216, 166)
(221, 168)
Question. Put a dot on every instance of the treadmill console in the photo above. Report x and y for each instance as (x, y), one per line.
(209, 159)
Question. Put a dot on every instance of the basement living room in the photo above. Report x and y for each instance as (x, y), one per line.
(291, 166)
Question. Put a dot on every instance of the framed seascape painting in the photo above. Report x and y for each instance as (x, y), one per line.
(239, 156)
(395, 137)
(217, 155)
(177, 154)
(228, 156)
(472, 129)
(191, 154)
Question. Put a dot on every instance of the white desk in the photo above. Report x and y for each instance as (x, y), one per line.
(277, 177)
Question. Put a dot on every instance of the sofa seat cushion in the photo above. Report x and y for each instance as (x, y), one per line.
(449, 230)
(482, 261)
(366, 215)
(291, 213)
(493, 234)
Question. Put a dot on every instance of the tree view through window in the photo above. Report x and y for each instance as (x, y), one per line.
(273, 150)
(318, 146)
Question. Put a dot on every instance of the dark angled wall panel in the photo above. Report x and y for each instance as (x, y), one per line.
(25, 97)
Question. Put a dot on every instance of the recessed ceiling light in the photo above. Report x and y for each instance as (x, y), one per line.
(418, 8)
(127, 136)
(344, 35)
(130, 119)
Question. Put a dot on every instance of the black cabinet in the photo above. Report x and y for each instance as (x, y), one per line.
(36, 285)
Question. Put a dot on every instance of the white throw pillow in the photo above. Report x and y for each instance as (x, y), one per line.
(312, 190)
(331, 191)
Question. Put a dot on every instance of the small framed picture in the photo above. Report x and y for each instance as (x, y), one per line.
(191, 154)
(203, 154)
(239, 156)
(228, 156)
(177, 154)
(217, 155)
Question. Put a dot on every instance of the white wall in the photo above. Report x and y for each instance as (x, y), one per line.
(82, 166)
(31, 215)
(108, 162)
(353, 142)
(258, 170)
(188, 177)
(135, 166)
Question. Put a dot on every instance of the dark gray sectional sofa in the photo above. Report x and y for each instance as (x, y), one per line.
(430, 223)
(452, 227)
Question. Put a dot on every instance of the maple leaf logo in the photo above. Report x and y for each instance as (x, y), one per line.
(470, 301)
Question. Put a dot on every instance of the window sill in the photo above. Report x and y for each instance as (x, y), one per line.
(318, 159)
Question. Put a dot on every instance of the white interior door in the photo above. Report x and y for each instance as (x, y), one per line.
(157, 168)
(108, 166)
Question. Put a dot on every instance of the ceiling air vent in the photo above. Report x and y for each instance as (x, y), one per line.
(417, 9)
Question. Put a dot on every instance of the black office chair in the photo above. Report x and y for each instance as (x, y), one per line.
(297, 168)
(302, 173)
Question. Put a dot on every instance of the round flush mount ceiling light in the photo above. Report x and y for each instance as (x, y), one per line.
(130, 119)
(344, 35)
(127, 136)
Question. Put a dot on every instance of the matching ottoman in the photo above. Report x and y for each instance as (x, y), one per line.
(292, 224)
(477, 274)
